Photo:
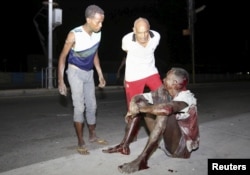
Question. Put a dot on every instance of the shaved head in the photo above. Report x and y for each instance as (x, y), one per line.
(141, 21)
(141, 30)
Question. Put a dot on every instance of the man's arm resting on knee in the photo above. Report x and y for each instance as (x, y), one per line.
(136, 102)
(164, 108)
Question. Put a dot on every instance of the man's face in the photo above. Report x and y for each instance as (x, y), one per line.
(95, 23)
(169, 81)
(142, 33)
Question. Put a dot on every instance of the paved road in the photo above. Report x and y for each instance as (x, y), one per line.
(37, 134)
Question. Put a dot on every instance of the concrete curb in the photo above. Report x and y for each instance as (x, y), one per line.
(41, 91)
(54, 91)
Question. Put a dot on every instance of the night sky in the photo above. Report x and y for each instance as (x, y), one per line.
(221, 33)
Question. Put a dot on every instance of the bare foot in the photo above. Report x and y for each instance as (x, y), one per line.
(133, 166)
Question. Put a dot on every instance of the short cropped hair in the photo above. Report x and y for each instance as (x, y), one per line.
(91, 10)
(182, 74)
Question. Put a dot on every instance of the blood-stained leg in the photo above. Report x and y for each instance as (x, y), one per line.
(166, 126)
(150, 121)
(141, 162)
(130, 132)
(174, 143)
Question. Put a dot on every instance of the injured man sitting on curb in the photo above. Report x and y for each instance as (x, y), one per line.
(171, 117)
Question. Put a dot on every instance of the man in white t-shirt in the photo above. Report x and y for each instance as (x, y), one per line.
(140, 68)
(140, 72)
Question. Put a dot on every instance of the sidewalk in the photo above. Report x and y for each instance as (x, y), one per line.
(225, 138)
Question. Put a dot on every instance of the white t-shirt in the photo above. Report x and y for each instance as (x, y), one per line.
(140, 61)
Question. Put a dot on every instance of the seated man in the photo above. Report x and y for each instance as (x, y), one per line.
(173, 118)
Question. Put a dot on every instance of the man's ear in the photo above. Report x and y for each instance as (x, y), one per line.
(88, 20)
(134, 30)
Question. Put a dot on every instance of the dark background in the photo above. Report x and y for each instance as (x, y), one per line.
(221, 33)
